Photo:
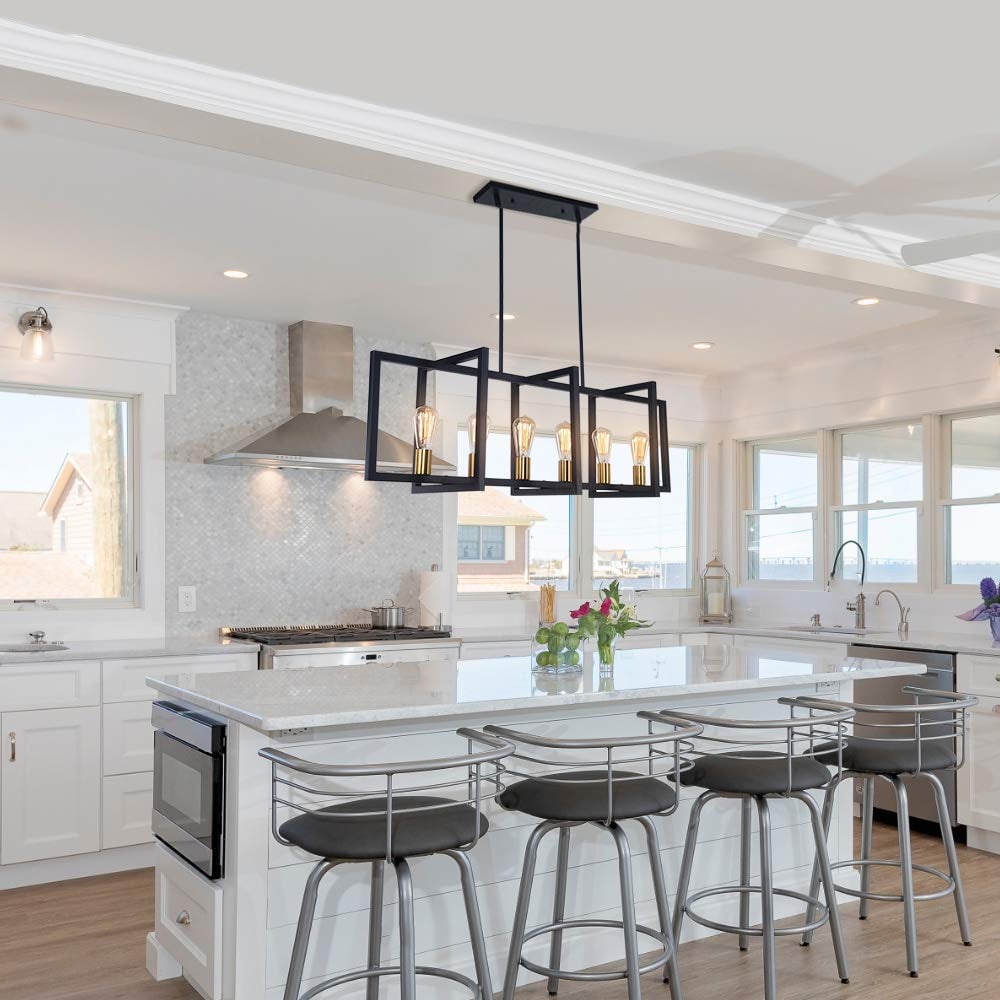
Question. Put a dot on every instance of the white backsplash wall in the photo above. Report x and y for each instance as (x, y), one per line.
(269, 546)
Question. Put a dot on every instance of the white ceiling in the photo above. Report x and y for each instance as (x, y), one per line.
(872, 113)
(112, 212)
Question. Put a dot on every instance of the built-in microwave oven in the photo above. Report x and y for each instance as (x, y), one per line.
(189, 791)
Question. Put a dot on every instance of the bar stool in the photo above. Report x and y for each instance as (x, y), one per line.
(567, 783)
(897, 742)
(748, 767)
(388, 825)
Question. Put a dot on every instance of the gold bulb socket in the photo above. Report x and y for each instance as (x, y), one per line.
(639, 475)
(522, 467)
(565, 470)
(603, 473)
(422, 460)
(472, 464)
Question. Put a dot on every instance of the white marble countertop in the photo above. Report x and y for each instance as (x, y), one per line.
(119, 649)
(322, 697)
(976, 638)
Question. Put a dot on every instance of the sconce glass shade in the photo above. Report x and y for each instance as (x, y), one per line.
(564, 440)
(523, 437)
(601, 437)
(639, 443)
(36, 341)
(716, 601)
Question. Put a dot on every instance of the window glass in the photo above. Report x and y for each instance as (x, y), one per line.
(780, 546)
(884, 464)
(975, 457)
(973, 542)
(646, 541)
(65, 523)
(785, 473)
(519, 542)
(890, 541)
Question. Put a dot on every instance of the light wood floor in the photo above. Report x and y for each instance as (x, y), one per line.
(85, 940)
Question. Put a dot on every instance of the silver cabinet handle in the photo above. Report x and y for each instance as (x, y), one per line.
(997, 678)
(184, 918)
(13, 747)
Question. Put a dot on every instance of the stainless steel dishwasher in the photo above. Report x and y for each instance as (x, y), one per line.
(940, 676)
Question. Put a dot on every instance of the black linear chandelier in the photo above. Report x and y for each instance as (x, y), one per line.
(649, 445)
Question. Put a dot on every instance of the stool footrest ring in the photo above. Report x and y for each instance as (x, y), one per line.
(661, 959)
(881, 897)
(755, 890)
(393, 970)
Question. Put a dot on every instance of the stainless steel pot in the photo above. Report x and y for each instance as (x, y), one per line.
(388, 615)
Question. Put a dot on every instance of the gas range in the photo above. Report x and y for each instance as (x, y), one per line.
(337, 645)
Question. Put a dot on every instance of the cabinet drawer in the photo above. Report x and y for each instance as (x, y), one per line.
(491, 650)
(979, 675)
(125, 680)
(66, 684)
(189, 921)
(369, 654)
(707, 639)
(128, 737)
(759, 643)
(126, 807)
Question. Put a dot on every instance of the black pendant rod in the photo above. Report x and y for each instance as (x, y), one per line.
(579, 304)
(500, 255)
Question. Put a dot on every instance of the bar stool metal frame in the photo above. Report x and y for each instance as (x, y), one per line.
(939, 721)
(482, 768)
(660, 755)
(800, 738)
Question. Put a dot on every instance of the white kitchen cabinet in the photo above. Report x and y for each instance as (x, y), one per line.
(126, 809)
(51, 783)
(125, 680)
(128, 737)
(63, 684)
(979, 675)
(979, 780)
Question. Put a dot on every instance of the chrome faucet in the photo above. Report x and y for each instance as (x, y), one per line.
(903, 628)
(858, 604)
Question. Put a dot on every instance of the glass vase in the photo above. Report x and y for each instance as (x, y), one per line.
(995, 627)
(606, 652)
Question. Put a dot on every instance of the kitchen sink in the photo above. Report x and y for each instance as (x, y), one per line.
(33, 647)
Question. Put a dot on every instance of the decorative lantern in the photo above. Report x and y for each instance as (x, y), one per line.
(716, 601)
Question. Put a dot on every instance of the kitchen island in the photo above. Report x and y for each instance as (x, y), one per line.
(232, 938)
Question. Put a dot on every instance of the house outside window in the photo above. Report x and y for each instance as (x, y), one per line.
(66, 530)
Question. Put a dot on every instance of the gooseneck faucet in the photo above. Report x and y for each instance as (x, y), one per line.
(903, 628)
(858, 604)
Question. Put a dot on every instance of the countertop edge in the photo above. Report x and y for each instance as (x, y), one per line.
(269, 725)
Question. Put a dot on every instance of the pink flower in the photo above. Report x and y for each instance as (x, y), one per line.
(584, 609)
(606, 607)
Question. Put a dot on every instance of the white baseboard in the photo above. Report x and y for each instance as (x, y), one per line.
(118, 859)
(983, 840)
(160, 964)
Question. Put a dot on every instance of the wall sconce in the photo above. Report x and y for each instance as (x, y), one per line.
(36, 329)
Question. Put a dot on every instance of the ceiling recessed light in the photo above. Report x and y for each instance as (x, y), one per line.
(703, 345)
(507, 317)
(233, 273)
(868, 300)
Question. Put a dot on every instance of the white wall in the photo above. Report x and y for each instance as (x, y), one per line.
(928, 369)
(111, 346)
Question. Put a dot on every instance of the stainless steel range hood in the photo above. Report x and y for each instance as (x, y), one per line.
(319, 434)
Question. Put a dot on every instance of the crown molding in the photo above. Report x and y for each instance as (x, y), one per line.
(448, 144)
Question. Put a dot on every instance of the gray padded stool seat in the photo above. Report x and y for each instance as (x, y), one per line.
(765, 774)
(583, 796)
(363, 838)
(885, 756)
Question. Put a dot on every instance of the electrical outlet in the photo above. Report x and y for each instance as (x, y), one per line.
(187, 599)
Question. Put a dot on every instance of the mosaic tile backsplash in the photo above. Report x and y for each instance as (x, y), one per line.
(269, 546)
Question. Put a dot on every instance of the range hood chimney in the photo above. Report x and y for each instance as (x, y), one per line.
(321, 433)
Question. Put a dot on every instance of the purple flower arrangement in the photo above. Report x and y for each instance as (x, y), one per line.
(990, 608)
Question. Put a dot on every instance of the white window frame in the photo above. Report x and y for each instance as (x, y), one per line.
(134, 599)
(581, 543)
(746, 472)
(834, 507)
(946, 501)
